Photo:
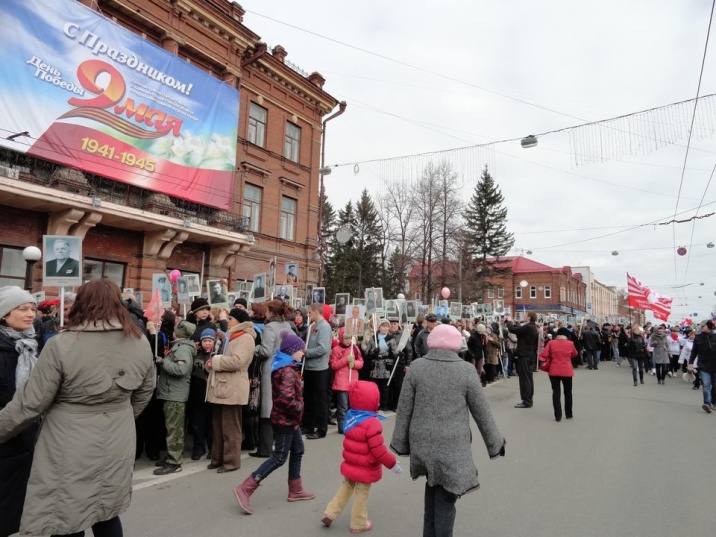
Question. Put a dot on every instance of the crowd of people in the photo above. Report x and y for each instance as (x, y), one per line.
(263, 377)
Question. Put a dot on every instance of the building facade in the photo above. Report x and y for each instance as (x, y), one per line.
(128, 232)
(602, 300)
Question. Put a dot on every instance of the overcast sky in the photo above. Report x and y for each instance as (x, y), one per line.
(585, 61)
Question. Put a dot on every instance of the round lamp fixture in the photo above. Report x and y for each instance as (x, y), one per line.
(710, 245)
(524, 283)
(32, 254)
(681, 250)
(615, 252)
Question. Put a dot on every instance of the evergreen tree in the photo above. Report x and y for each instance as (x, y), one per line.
(327, 230)
(368, 243)
(342, 258)
(486, 228)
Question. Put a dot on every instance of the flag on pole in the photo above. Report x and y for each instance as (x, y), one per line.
(640, 296)
(155, 309)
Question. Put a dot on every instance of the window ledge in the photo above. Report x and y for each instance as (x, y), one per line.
(290, 182)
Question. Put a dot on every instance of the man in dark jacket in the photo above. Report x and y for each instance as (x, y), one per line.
(705, 349)
(590, 344)
(525, 357)
(421, 340)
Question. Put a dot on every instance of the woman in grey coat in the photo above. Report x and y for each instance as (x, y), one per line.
(91, 381)
(276, 314)
(432, 425)
(660, 355)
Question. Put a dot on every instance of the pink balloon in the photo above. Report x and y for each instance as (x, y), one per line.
(445, 292)
(174, 275)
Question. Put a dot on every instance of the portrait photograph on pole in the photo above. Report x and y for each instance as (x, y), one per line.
(63, 260)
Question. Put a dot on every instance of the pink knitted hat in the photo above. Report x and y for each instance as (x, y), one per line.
(445, 336)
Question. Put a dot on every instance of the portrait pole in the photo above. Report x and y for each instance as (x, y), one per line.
(353, 351)
(308, 338)
(62, 307)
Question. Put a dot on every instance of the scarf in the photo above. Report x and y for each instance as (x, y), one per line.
(356, 417)
(281, 359)
(259, 328)
(26, 347)
(382, 345)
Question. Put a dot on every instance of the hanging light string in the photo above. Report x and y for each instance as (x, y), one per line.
(691, 131)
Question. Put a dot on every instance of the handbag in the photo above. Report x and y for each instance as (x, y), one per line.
(254, 386)
(544, 365)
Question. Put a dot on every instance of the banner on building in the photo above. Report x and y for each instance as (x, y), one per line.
(640, 296)
(80, 90)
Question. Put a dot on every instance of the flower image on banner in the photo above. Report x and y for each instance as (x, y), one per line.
(640, 296)
(98, 97)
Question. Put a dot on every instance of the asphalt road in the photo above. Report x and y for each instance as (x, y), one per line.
(634, 461)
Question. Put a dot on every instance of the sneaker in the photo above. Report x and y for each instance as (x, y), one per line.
(707, 408)
(327, 521)
(368, 527)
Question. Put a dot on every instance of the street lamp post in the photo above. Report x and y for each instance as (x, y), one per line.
(524, 284)
(31, 255)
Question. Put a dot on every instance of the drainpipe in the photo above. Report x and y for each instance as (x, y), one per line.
(321, 172)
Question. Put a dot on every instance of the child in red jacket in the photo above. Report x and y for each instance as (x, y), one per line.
(364, 455)
(345, 361)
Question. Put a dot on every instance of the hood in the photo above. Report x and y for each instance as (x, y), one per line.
(327, 312)
(658, 336)
(134, 308)
(185, 342)
(247, 327)
(364, 395)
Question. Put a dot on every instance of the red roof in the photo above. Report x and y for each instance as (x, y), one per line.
(517, 264)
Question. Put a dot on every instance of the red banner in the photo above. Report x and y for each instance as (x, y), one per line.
(640, 296)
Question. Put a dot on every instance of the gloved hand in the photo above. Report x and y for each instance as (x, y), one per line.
(397, 468)
(351, 361)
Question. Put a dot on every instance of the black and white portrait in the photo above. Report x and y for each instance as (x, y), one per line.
(62, 260)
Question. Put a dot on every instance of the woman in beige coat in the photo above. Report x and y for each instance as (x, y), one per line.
(228, 388)
(91, 381)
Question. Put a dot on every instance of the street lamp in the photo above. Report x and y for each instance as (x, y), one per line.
(524, 284)
(31, 255)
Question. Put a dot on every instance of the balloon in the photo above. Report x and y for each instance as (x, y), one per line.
(174, 275)
(445, 293)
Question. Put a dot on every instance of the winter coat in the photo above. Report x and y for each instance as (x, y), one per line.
(318, 350)
(636, 348)
(432, 423)
(175, 372)
(420, 343)
(590, 339)
(228, 382)
(270, 343)
(674, 342)
(287, 392)
(560, 352)
(339, 364)
(91, 382)
(661, 349)
(494, 349)
(379, 363)
(16, 453)
(527, 339)
(705, 349)
(686, 351)
(364, 451)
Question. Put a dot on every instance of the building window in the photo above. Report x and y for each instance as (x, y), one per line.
(252, 206)
(533, 292)
(288, 218)
(490, 292)
(547, 291)
(95, 269)
(562, 294)
(12, 267)
(417, 295)
(500, 292)
(257, 124)
(518, 292)
(292, 141)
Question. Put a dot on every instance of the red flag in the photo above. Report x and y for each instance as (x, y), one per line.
(155, 309)
(640, 296)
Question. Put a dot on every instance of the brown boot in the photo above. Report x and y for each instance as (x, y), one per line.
(244, 491)
(296, 492)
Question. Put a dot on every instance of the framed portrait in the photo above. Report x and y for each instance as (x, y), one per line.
(193, 284)
(466, 311)
(370, 300)
(342, 302)
(403, 309)
(62, 261)
(309, 293)
(359, 301)
(411, 310)
(243, 285)
(258, 289)
(423, 309)
(230, 299)
(443, 303)
(442, 311)
(355, 320)
(271, 278)
(378, 298)
(391, 308)
(297, 303)
(455, 310)
(283, 292)
(183, 291)
(498, 307)
(246, 295)
(128, 290)
(291, 277)
(161, 282)
(218, 293)
(139, 296)
(319, 295)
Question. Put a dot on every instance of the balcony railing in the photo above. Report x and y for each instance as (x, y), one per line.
(48, 174)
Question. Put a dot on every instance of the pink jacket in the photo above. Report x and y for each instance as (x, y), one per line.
(339, 364)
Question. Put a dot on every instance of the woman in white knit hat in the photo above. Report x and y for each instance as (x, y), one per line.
(18, 354)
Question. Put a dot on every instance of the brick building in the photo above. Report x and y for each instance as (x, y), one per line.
(130, 232)
(547, 291)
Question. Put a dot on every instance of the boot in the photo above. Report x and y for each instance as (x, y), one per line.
(244, 491)
(296, 492)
